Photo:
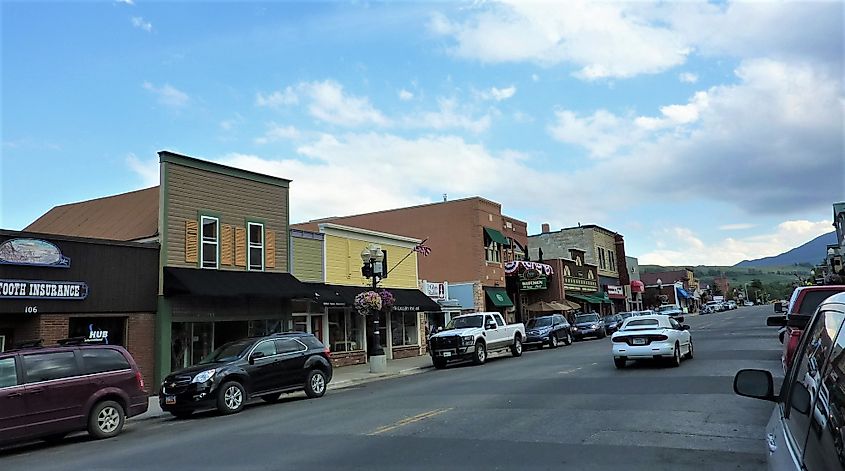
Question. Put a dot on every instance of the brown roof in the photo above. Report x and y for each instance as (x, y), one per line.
(128, 216)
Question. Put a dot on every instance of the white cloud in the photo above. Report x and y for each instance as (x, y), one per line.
(141, 23)
(497, 94)
(602, 133)
(229, 125)
(147, 171)
(535, 78)
(126, 2)
(168, 95)
(688, 77)
(405, 95)
(737, 226)
(277, 99)
(688, 249)
(448, 116)
(276, 133)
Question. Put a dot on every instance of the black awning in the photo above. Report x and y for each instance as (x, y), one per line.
(224, 283)
(327, 295)
(407, 299)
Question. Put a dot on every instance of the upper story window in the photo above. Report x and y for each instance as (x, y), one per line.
(601, 256)
(492, 250)
(256, 246)
(611, 260)
(210, 241)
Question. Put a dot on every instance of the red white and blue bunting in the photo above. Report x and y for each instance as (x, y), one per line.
(513, 267)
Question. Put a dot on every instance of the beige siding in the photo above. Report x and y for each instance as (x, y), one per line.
(234, 200)
(307, 259)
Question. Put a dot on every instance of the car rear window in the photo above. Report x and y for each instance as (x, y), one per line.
(812, 299)
(642, 323)
(8, 373)
(100, 360)
(311, 342)
(48, 366)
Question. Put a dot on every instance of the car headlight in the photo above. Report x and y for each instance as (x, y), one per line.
(575, 328)
(594, 326)
(467, 340)
(204, 376)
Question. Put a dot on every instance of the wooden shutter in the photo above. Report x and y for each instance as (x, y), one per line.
(269, 249)
(191, 242)
(240, 247)
(226, 245)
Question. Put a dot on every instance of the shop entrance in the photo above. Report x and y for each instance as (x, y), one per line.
(313, 324)
(193, 341)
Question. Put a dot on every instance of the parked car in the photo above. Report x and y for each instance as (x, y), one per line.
(627, 314)
(264, 367)
(671, 310)
(805, 431)
(802, 304)
(647, 312)
(712, 306)
(49, 392)
(612, 324)
(473, 337)
(705, 309)
(747, 303)
(548, 330)
(588, 325)
(651, 337)
(732, 305)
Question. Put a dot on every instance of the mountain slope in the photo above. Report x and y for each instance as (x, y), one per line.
(811, 252)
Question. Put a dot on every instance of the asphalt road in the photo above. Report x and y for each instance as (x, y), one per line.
(567, 408)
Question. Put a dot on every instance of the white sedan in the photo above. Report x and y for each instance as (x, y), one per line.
(651, 337)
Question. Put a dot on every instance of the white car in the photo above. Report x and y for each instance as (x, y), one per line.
(651, 337)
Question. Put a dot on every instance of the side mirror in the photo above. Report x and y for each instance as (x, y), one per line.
(490, 326)
(440, 329)
(679, 318)
(778, 307)
(755, 383)
(684, 327)
(776, 321)
(254, 356)
(800, 398)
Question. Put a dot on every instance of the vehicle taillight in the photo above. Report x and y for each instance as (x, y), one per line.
(620, 339)
(659, 337)
(140, 380)
(327, 351)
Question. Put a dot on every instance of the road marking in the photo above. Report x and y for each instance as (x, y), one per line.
(569, 371)
(408, 420)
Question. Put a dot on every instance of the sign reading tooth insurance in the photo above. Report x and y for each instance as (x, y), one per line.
(29, 289)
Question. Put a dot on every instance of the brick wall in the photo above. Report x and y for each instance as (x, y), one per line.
(53, 328)
(140, 341)
(348, 359)
(405, 352)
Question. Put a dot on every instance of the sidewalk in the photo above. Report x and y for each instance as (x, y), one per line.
(342, 378)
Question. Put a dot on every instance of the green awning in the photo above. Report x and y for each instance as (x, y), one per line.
(499, 297)
(496, 236)
(601, 298)
(579, 297)
(590, 298)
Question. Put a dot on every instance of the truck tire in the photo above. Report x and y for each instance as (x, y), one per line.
(516, 347)
(439, 363)
(480, 354)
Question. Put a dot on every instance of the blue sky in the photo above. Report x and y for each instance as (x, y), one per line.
(705, 133)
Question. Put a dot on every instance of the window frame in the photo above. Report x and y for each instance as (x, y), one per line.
(78, 368)
(18, 376)
(216, 243)
(86, 368)
(249, 245)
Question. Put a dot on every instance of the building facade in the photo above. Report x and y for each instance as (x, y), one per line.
(681, 287)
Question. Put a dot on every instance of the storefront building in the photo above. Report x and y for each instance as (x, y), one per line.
(57, 287)
(464, 242)
(581, 281)
(329, 312)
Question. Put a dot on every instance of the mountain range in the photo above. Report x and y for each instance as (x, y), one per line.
(812, 252)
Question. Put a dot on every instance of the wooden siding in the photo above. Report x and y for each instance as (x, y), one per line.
(343, 264)
(307, 264)
(234, 200)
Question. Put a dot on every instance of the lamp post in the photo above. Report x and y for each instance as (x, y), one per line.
(659, 291)
(373, 257)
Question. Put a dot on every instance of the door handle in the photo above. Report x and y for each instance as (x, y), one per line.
(15, 395)
(36, 391)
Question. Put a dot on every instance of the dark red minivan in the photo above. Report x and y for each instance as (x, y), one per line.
(49, 392)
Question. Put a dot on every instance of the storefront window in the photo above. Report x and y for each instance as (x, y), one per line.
(346, 330)
(209, 242)
(256, 246)
(403, 328)
(111, 330)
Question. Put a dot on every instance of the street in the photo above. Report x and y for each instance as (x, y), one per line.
(567, 408)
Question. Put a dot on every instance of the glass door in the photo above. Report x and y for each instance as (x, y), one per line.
(202, 340)
(317, 327)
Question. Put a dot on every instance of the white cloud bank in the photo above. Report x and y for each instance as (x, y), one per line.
(142, 24)
(168, 95)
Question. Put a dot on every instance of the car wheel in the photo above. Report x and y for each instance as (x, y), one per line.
(602, 335)
(516, 347)
(676, 358)
(271, 398)
(315, 384)
(480, 355)
(553, 341)
(231, 398)
(690, 352)
(619, 362)
(439, 363)
(181, 414)
(106, 420)
(568, 340)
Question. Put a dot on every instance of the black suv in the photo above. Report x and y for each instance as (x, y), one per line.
(264, 367)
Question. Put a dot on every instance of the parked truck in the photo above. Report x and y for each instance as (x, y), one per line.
(473, 337)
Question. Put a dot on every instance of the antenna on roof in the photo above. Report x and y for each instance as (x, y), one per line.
(444, 197)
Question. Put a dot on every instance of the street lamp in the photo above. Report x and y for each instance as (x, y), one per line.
(372, 256)
(659, 291)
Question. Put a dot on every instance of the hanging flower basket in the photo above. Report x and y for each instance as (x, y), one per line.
(367, 302)
(387, 300)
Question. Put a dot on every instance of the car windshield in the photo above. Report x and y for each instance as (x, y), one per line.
(539, 322)
(641, 324)
(228, 352)
(626, 315)
(610, 319)
(587, 318)
(465, 322)
(667, 308)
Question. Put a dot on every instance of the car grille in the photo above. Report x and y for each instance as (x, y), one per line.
(176, 384)
(442, 343)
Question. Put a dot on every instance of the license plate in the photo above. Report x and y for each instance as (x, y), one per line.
(639, 341)
(170, 399)
(447, 354)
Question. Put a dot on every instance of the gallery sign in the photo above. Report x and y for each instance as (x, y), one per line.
(29, 289)
(32, 252)
(615, 290)
(435, 290)
(533, 284)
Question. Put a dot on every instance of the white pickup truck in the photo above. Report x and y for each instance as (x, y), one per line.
(473, 337)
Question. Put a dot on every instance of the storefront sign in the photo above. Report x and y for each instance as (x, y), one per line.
(535, 284)
(579, 284)
(613, 290)
(407, 308)
(435, 290)
(513, 267)
(97, 335)
(35, 252)
(28, 289)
